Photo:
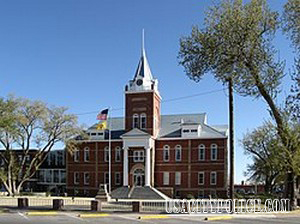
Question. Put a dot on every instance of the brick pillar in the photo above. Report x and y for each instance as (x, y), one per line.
(96, 205)
(22, 203)
(58, 204)
(136, 206)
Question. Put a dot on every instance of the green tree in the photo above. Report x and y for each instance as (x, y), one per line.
(26, 125)
(236, 43)
(263, 145)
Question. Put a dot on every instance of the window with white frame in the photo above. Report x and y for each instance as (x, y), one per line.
(106, 154)
(86, 154)
(201, 152)
(118, 154)
(117, 178)
(213, 178)
(201, 178)
(177, 178)
(76, 155)
(213, 152)
(178, 153)
(166, 178)
(143, 121)
(166, 153)
(86, 178)
(135, 121)
(76, 178)
(138, 156)
(106, 178)
(213, 193)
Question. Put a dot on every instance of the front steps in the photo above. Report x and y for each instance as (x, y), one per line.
(137, 192)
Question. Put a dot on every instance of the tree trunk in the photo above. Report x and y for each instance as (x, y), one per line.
(290, 189)
(231, 140)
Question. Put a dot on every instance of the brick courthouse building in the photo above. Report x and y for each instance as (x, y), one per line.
(178, 155)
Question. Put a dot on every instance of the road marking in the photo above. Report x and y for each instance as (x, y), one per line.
(24, 216)
(41, 213)
(93, 215)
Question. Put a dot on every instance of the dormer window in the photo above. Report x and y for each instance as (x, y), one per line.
(135, 121)
(143, 121)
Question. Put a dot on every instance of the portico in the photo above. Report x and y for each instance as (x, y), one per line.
(137, 146)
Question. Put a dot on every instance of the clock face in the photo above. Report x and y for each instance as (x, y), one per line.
(139, 82)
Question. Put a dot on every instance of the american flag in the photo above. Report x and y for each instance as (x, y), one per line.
(102, 116)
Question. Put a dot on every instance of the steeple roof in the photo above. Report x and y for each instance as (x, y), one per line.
(143, 70)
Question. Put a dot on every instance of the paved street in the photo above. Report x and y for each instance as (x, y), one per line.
(69, 217)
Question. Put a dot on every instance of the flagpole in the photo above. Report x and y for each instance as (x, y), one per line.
(109, 151)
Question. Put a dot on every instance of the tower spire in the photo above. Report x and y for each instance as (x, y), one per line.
(143, 42)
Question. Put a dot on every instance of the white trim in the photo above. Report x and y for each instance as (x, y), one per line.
(178, 148)
(201, 147)
(74, 177)
(86, 152)
(166, 148)
(202, 183)
(212, 148)
(118, 151)
(211, 173)
(85, 182)
(166, 178)
(76, 156)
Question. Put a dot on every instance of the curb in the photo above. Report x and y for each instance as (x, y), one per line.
(41, 213)
(153, 217)
(215, 218)
(93, 215)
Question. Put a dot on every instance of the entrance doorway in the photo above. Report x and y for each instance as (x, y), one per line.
(139, 177)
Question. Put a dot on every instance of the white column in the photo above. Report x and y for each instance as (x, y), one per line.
(147, 167)
(125, 167)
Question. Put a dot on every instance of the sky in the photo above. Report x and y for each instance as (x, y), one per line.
(80, 54)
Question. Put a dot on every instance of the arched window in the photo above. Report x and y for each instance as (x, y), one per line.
(118, 154)
(178, 153)
(135, 121)
(166, 153)
(86, 154)
(201, 152)
(213, 152)
(143, 121)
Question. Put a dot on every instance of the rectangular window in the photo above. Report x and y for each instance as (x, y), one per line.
(135, 121)
(138, 156)
(178, 154)
(117, 178)
(166, 155)
(213, 178)
(201, 155)
(201, 178)
(86, 178)
(76, 178)
(106, 154)
(177, 178)
(76, 155)
(186, 131)
(194, 130)
(106, 178)
(49, 176)
(118, 155)
(143, 121)
(166, 178)
(86, 154)
(213, 154)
